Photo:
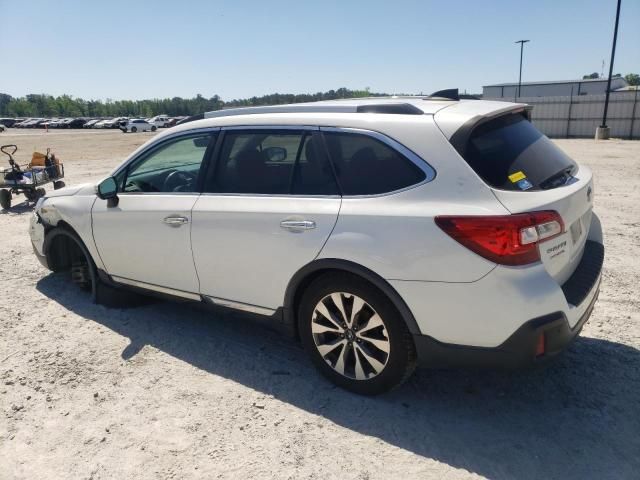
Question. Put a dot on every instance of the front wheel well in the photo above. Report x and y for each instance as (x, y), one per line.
(305, 276)
(64, 248)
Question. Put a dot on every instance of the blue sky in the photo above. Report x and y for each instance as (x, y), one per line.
(128, 49)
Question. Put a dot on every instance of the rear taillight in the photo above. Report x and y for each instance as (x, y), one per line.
(504, 239)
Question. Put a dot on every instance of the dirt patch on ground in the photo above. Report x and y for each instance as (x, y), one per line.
(164, 391)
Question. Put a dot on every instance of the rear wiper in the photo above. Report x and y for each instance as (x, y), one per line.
(557, 179)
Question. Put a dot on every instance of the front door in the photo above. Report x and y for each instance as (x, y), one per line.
(145, 239)
(268, 209)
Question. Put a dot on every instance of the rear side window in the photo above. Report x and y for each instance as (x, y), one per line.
(273, 162)
(367, 166)
(511, 154)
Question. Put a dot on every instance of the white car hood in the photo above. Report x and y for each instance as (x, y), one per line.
(84, 188)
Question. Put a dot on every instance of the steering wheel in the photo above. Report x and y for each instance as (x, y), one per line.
(176, 179)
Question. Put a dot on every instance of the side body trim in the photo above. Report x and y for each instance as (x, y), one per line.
(245, 307)
(156, 288)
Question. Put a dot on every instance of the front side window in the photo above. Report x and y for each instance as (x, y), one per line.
(273, 162)
(174, 167)
(367, 166)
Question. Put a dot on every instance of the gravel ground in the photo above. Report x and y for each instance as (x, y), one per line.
(168, 391)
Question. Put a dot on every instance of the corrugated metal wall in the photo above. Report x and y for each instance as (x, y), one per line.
(579, 116)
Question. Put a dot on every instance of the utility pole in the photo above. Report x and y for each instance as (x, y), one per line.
(602, 132)
(521, 42)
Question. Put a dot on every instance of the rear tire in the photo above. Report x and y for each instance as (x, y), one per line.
(5, 199)
(153, 128)
(365, 346)
(134, 129)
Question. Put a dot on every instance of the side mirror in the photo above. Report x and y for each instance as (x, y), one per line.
(201, 142)
(108, 190)
(275, 154)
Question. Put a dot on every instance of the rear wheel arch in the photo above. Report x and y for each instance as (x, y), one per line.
(310, 272)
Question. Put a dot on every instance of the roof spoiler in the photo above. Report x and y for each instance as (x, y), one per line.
(192, 118)
(449, 94)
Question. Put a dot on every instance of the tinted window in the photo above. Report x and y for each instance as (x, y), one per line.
(276, 162)
(367, 166)
(174, 167)
(511, 154)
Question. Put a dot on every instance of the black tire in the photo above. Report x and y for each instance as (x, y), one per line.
(5, 199)
(154, 128)
(401, 359)
(40, 192)
(134, 129)
(58, 184)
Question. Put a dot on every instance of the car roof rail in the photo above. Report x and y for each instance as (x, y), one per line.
(397, 108)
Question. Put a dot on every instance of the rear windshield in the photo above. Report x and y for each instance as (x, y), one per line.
(511, 154)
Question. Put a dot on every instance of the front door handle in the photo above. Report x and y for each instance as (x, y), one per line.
(175, 220)
(298, 224)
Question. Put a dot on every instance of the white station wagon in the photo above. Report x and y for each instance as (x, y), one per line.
(382, 232)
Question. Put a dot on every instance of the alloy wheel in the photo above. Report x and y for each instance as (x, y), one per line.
(350, 336)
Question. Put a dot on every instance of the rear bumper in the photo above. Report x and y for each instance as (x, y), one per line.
(519, 350)
(556, 330)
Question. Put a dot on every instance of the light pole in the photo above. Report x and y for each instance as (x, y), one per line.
(602, 132)
(521, 42)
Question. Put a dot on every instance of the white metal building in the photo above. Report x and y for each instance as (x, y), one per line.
(555, 88)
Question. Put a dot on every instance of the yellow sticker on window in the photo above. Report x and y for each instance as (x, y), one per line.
(516, 177)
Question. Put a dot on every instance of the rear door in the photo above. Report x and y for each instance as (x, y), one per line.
(527, 172)
(268, 207)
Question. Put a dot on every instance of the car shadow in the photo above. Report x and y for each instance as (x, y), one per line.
(18, 208)
(577, 418)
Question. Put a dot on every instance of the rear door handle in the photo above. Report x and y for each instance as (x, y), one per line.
(298, 224)
(175, 220)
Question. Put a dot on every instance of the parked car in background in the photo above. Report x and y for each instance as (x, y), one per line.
(21, 123)
(102, 123)
(8, 122)
(173, 121)
(29, 122)
(137, 125)
(74, 123)
(37, 123)
(381, 232)
(115, 122)
(160, 121)
(91, 123)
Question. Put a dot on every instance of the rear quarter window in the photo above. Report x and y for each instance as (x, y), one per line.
(511, 154)
(367, 166)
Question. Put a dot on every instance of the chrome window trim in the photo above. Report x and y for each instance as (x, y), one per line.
(163, 140)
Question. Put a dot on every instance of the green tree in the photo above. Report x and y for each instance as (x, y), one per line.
(632, 79)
